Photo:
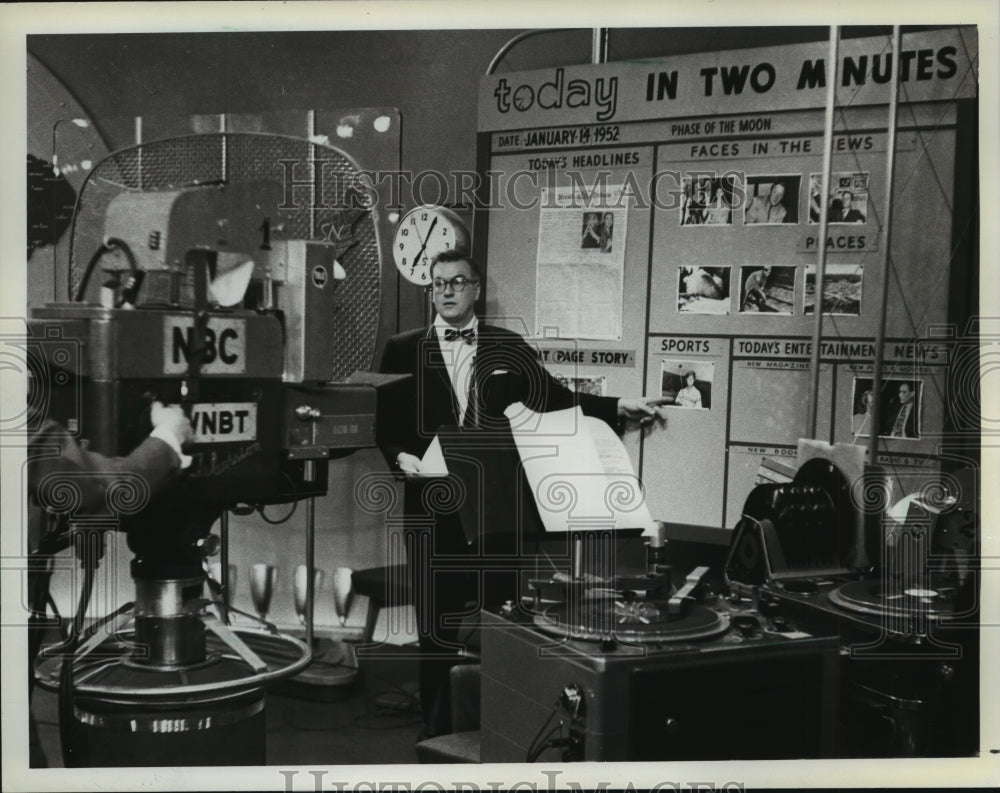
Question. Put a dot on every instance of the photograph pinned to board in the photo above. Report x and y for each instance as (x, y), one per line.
(583, 385)
(598, 231)
(899, 408)
(847, 201)
(767, 289)
(841, 289)
(703, 290)
(709, 201)
(687, 383)
(772, 199)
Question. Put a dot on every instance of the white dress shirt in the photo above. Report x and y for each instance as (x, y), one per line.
(459, 357)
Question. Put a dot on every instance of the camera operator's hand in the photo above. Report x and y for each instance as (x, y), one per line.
(171, 426)
(409, 464)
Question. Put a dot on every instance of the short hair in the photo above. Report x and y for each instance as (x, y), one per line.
(690, 374)
(457, 255)
(847, 193)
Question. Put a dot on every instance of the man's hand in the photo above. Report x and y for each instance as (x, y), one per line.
(171, 419)
(172, 427)
(643, 409)
(409, 464)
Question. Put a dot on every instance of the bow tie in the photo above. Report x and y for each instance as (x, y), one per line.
(468, 335)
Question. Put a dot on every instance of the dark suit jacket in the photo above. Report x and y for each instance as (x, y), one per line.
(507, 370)
(63, 474)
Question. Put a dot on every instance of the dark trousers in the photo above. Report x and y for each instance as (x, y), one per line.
(457, 530)
(444, 591)
(451, 583)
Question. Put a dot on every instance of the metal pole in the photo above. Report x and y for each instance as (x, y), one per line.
(225, 152)
(884, 239)
(309, 474)
(138, 142)
(224, 564)
(313, 209)
(831, 97)
(55, 241)
(599, 47)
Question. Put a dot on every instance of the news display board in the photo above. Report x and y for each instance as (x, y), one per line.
(655, 228)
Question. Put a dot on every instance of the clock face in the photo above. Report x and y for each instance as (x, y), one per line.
(421, 234)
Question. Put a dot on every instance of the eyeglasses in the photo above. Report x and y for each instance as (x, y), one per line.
(457, 284)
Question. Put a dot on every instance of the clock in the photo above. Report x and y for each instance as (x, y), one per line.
(421, 235)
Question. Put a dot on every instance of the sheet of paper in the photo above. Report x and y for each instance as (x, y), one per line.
(610, 449)
(579, 472)
(432, 463)
(580, 264)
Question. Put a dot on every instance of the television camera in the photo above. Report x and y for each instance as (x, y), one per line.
(218, 292)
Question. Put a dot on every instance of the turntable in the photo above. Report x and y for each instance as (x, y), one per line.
(622, 614)
(794, 544)
(637, 668)
(631, 622)
(874, 597)
(906, 624)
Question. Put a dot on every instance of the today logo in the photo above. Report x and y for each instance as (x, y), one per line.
(601, 93)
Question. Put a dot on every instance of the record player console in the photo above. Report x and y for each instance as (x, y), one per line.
(907, 626)
(798, 650)
(614, 673)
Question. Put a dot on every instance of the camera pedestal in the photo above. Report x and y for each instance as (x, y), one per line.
(167, 683)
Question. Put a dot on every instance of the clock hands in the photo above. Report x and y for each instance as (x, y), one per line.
(423, 245)
(414, 234)
(430, 228)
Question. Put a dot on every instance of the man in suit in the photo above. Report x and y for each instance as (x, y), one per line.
(465, 374)
(904, 420)
(57, 465)
(851, 213)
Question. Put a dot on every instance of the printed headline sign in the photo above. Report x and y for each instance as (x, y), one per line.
(937, 65)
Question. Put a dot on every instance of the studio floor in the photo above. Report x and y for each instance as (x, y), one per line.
(376, 721)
